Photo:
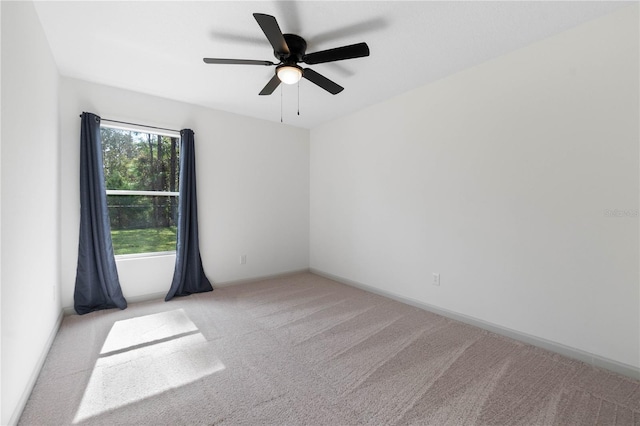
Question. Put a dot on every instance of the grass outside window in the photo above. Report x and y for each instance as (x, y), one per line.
(149, 240)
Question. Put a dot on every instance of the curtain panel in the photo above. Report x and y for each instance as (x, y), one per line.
(188, 276)
(97, 283)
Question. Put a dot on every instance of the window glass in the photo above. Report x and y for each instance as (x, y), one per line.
(141, 176)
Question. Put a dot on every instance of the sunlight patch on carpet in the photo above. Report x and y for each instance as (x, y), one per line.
(146, 356)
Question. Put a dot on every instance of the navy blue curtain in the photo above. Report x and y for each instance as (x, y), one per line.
(97, 284)
(188, 276)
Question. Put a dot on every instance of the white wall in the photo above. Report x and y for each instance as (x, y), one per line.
(30, 202)
(253, 188)
(498, 178)
(0, 223)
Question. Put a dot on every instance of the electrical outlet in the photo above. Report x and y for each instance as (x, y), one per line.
(436, 279)
(243, 259)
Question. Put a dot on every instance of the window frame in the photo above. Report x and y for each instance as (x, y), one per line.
(152, 131)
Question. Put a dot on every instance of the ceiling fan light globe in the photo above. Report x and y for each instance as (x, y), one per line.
(289, 74)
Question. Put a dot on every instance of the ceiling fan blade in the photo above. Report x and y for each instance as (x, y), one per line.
(271, 29)
(236, 61)
(337, 54)
(271, 86)
(322, 81)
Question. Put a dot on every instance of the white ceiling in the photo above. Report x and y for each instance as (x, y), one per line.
(157, 47)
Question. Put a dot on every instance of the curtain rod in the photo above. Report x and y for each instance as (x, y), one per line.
(137, 124)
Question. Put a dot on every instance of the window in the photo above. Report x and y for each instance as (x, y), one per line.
(141, 172)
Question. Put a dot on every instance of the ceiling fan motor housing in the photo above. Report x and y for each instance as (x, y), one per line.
(297, 48)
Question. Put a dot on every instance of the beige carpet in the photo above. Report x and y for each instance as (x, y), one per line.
(307, 350)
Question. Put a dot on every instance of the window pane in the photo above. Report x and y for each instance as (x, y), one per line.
(142, 224)
(140, 161)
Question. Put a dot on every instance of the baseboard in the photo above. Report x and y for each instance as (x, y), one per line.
(147, 297)
(69, 310)
(22, 402)
(260, 278)
(586, 357)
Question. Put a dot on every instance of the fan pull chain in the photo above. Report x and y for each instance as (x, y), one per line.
(298, 97)
(281, 103)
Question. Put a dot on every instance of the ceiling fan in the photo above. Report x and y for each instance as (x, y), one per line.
(290, 49)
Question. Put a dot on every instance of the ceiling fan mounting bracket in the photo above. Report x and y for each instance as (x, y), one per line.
(297, 49)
